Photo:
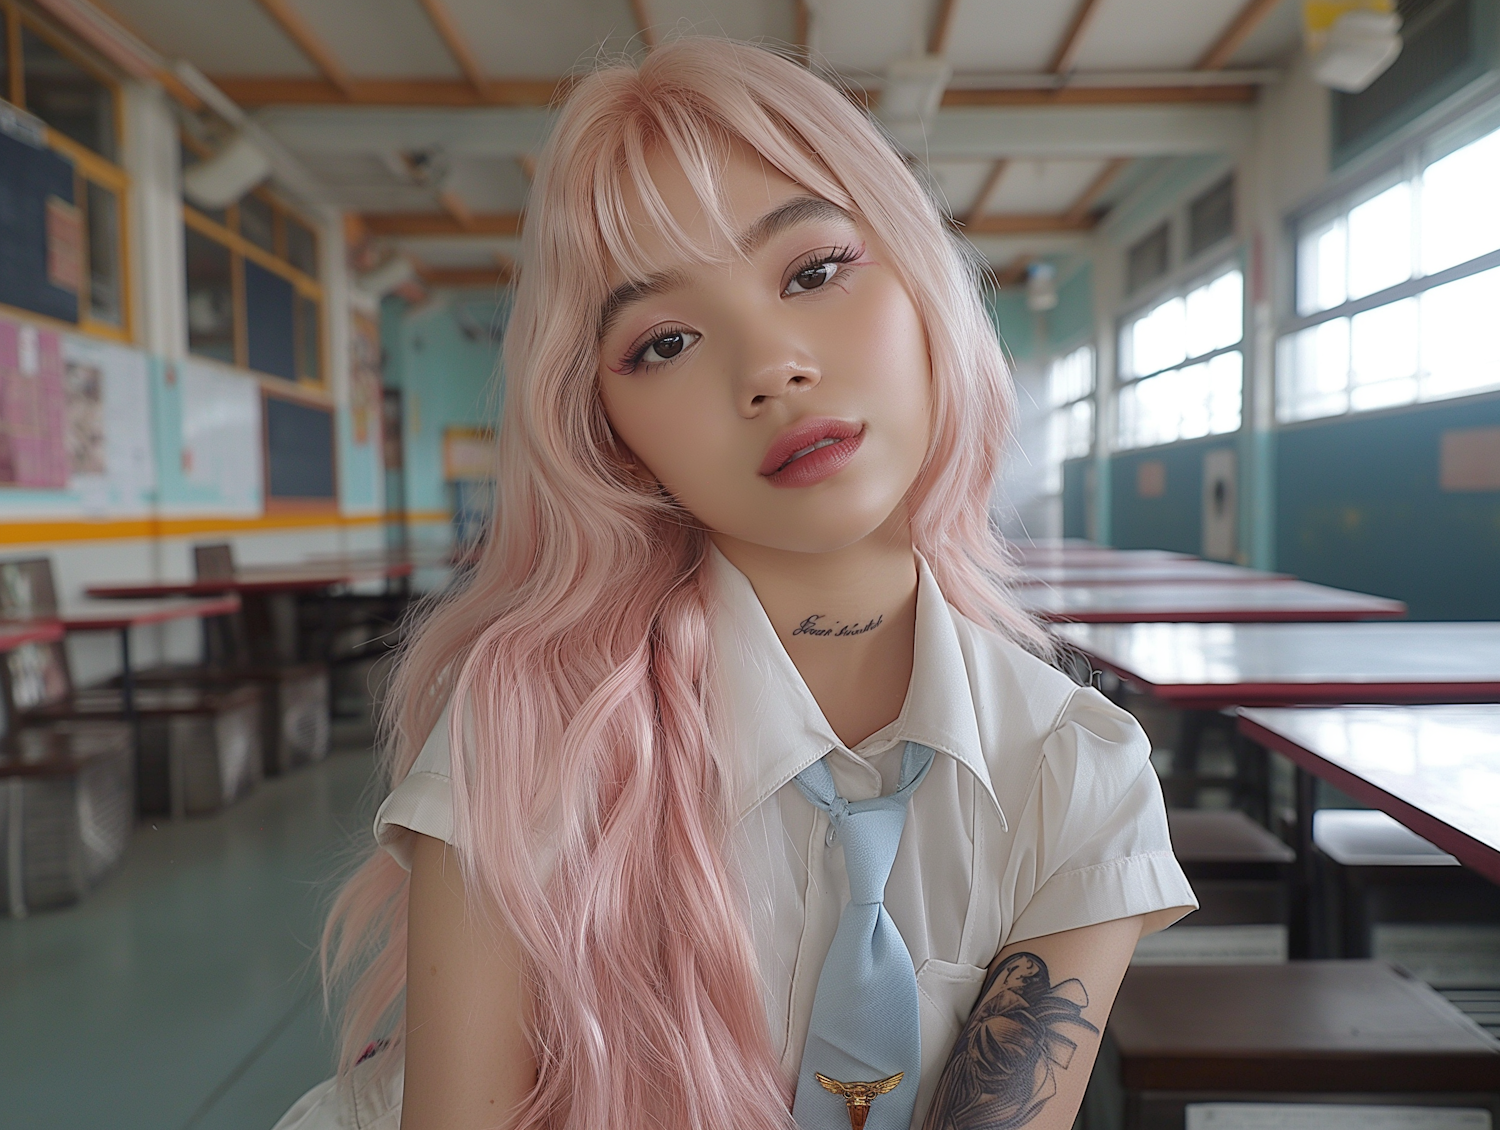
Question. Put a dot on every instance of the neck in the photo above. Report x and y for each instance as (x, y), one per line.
(847, 618)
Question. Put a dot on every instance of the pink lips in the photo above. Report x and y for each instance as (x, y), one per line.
(833, 443)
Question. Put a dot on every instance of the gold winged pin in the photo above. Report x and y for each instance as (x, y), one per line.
(858, 1096)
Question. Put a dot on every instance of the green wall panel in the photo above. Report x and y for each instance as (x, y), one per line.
(1359, 504)
(1174, 518)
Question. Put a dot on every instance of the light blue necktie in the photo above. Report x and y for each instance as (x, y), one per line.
(865, 1025)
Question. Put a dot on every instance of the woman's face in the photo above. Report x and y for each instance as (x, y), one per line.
(782, 396)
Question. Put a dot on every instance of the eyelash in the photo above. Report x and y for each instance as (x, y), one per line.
(838, 255)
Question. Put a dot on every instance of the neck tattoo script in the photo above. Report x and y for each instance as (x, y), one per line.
(810, 627)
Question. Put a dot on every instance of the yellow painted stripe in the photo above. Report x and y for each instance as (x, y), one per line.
(109, 529)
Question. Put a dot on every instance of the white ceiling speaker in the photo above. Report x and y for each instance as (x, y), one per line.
(394, 272)
(226, 176)
(1041, 287)
(1351, 44)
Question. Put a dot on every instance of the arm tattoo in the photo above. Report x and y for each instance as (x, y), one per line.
(1003, 1066)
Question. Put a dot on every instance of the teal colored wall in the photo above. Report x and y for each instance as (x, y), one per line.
(1071, 321)
(1015, 324)
(1175, 519)
(1075, 504)
(1359, 505)
(440, 357)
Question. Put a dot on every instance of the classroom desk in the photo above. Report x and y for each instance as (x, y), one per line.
(1190, 571)
(264, 580)
(16, 633)
(1211, 666)
(121, 616)
(1216, 602)
(1435, 768)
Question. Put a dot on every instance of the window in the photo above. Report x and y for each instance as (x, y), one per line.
(1397, 289)
(63, 234)
(253, 297)
(1211, 218)
(1181, 365)
(1149, 259)
(1070, 396)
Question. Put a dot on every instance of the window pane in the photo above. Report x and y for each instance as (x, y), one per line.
(1211, 217)
(1461, 336)
(1198, 400)
(67, 97)
(1321, 266)
(270, 322)
(1149, 259)
(106, 303)
(1459, 217)
(210, 297)
(1215, 314)
(1380, 241)
(301, 247)
(1159, 340)
(1071, 377)
(258, 222)
(309, 356)
(1383, 356)
(1313, 373)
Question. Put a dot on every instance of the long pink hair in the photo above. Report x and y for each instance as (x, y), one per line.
(590, 797)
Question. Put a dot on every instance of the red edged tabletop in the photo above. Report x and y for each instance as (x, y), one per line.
(1278, 602)
(112, 615)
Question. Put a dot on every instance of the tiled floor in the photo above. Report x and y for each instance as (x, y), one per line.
(183, 992)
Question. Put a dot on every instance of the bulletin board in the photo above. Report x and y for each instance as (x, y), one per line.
(468, 454)
(300, 454)
(111, 459)
(37, 217)
(220, 415)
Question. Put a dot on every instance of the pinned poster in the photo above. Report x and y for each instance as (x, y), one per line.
(33, 410)
(111, 462)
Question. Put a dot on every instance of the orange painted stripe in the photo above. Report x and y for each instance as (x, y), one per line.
(112, 529)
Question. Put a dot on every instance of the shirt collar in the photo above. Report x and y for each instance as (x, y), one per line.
(775, 727)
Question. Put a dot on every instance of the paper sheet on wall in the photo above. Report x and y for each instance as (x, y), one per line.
(1332, 1116)
(110, 456)
(221, 435)
(32, 407)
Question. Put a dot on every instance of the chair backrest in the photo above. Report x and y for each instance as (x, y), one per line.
(27, 591)
(213, 562)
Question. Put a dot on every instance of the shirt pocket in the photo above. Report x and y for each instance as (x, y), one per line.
(947, 991)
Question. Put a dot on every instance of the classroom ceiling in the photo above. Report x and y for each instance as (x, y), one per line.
(421, 115)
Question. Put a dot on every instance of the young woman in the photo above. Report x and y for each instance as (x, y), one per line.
(754, 410)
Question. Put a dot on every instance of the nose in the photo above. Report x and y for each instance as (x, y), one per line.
(761, 384)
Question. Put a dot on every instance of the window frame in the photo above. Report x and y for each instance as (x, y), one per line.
(1405, 163)
(88, 166)
(1231, 258)
(1054, 411)
(240, 249)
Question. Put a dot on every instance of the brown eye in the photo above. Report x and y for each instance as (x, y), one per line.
(666, 347)
(814, 277)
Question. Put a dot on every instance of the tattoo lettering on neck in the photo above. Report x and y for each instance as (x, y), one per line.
(812, 627)
(1004, 1064)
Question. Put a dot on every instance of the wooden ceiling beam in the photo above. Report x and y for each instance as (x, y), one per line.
(443, 23)
(300, 32)
(1245, 21)
(442, 223)
(1081, 208)
(986, 190)
(469, 277)
(1099, 95)
(1028, 223)
(1072, 41)
(453, 204)
(252, 91)
(641, 11)
(1014, 272)
(942, 24)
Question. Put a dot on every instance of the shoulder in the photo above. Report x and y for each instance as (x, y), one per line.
(1032, 716)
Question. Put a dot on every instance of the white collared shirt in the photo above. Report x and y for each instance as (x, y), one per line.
(1040, 814)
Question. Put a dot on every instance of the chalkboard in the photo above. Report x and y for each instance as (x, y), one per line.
(29, 175)
(269, 322)
(299, 452)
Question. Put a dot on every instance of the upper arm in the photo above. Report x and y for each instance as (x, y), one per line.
(1024, 1056)
(468, 1062)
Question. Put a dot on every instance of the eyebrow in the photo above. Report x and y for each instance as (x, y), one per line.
(786, 215)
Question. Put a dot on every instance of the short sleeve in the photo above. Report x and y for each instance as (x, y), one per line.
(1104, 849)
(423, 802)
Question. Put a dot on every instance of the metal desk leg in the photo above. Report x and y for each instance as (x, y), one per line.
(1304, 908)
